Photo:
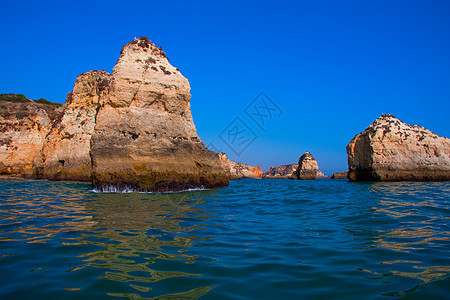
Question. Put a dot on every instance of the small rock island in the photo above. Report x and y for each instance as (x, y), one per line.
(390, 150)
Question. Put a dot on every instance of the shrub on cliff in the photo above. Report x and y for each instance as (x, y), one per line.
(13, 98)
(43, 101)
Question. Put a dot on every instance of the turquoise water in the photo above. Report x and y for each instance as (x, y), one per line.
(257, 239)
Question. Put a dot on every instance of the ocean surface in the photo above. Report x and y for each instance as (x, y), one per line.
(256, 239)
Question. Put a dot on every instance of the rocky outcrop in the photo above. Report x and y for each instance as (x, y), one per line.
(307, 168)
(66, 152)
(24, 124)
(237, 170)
(132, 130)
(283, 171)
(390, 150)
(321, 175)
(144, 137)
(339, 175)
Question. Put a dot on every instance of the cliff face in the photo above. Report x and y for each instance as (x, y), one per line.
(24, 124)
(131, 130)
(390, 150)
(307, 168)
(144, 136)
(284, 171)
(66, 151)
(237, 170)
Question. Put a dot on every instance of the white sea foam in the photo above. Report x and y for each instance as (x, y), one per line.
(127, 190)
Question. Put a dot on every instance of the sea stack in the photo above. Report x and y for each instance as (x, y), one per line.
(237, 170)
(307, 168)
(390, 150)
(144, 137)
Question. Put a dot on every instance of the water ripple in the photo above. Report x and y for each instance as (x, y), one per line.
(261, 239)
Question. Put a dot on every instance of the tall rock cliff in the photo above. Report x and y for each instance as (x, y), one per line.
(307, 168)
(24, 125)
(66, 152)
(144, 136)
(390, 150)
(237, 170)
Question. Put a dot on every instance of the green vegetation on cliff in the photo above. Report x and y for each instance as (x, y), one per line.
(19, 98)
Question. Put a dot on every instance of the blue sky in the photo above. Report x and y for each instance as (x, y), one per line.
(332, 67)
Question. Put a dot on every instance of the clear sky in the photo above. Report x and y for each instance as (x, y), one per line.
(331, 67)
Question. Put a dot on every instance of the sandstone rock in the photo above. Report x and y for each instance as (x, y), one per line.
(24, 124)
(390, 150)
(307, 168)
(283, 171)
(339, 175)
(66, 151)
(321, 175)
(145, 138)
(237, 170)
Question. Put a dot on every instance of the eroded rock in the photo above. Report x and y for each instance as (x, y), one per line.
(283, 171)
(339, 175)
(24, 126)
(237, 170)
(66, 154)
(390, 150)
(307, 168)
(145, 138)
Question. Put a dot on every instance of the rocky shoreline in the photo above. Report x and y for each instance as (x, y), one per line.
(133, 129)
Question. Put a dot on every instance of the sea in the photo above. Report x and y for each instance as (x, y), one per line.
(256, 239)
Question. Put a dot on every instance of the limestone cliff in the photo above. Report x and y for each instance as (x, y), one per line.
(283, 171)
(131, 130)
(66, 151)
(144, 136)
(24, 124)
(307, 168)
(237, 170)
(390, 150)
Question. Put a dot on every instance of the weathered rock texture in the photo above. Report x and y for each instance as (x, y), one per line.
(339, 175)
(24, 124)
(321, 175)
(307, 168)
(237, 170)
(390, 150)
(283, 171)
(131, 130)
(66, 151)
(144, 136)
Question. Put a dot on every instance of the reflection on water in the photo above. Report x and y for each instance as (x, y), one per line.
(257, 239)
(129, 232)
(417, 211)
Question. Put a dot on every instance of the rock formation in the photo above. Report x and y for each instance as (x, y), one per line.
(237, 170)
(339, 175)
(144, 136)
(307, 168)
(66, 152)
(131, 130)
(390, 150)
(321, 175)
(24, 124)
(283, 171)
